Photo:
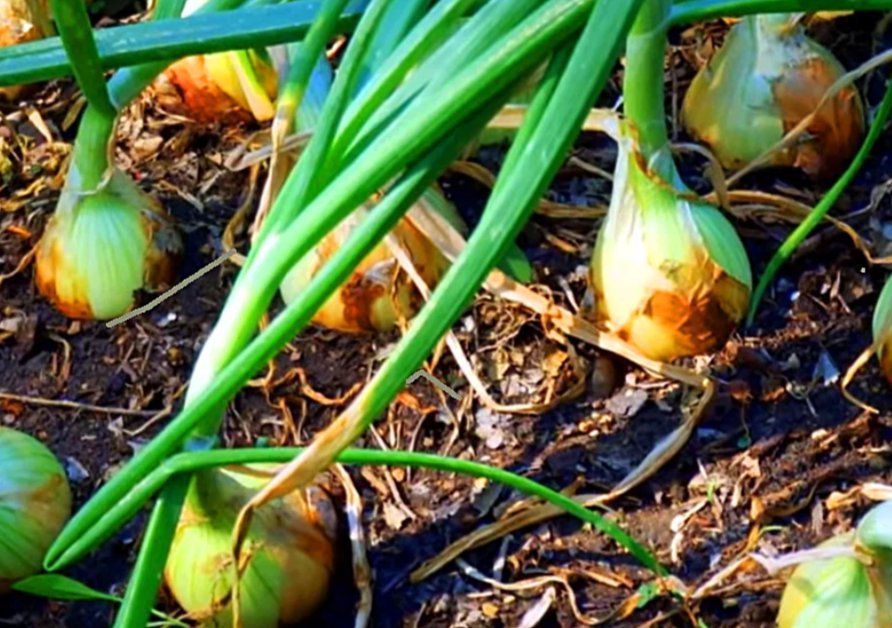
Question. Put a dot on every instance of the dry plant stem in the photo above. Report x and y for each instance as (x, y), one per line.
(236, 224)
(464, 364)
(590, 168)
(856, 366)
(534, 583)
(362, 572)
(842, 82)
(745, 203)
(27, 258)
(76, 405)
(714, 171)
(775, 564)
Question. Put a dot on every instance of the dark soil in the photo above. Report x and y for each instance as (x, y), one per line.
(775, 452)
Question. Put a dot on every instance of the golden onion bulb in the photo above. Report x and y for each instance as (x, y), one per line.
(22, 21)
(35, 502)
(289, 548)
(669, 273)
(378, 293)
(224, 87)
(851, 590)
(882, 329)
(766, 78)
(98, 249)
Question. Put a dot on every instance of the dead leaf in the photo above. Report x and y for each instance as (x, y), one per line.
(394, 517)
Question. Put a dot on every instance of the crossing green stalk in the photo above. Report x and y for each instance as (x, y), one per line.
(690, 11)
(76, 32)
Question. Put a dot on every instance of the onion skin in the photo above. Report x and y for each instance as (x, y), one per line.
(767, 77)
(35, 503)
(98, 250)
(290, 545)
(669, 273)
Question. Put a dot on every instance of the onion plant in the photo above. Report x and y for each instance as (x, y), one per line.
(393, 130)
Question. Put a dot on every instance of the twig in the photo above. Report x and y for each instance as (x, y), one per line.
(169, 293)
(76, 405)
(362, 572)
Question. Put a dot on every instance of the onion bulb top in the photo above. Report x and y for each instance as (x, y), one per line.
(851, 590)
(289, 549)
(669, 273)
(223, 87)
(378, 293)
(35, 502)
(100, 248)
(766, 78)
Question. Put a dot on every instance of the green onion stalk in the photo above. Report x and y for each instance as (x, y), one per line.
(133, 44)
(669, 273)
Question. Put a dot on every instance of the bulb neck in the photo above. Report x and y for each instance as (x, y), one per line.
(92, 154)
(643, 83)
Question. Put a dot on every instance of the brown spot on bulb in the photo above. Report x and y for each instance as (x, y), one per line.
(358, 296)
(49, 262)
(195, 95)
(689, 321)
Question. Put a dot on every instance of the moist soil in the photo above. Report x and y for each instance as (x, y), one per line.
(776, 464)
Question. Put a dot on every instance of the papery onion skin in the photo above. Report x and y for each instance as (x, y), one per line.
(669, 273)
(290, 545)
(35, 503)
(766, 78)
(882, 329)
(96, 253)
(379, 293)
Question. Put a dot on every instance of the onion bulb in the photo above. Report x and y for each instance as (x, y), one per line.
(225, 87)
(101, 247)
(849, 590)
(379, 293)
(767, 77)
(22, 21)
(35, 502)
(669, 273)
(289, 549)
(882, 329)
